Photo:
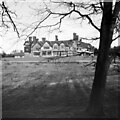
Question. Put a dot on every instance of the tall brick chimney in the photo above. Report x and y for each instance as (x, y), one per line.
(75, 36)
(34, 39)
(43, 39)
(37, 39)
(80, 40)
(30, 39)
(56, 38)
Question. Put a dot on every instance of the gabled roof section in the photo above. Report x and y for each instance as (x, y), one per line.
(66, 42)
(41, 43)
(38, 42)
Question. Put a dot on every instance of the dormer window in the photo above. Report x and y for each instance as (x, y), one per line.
(46, 47)
(55, 46)
(62, 46)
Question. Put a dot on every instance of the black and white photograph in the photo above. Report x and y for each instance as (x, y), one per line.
(59, 59)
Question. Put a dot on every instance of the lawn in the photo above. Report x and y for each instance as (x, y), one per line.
(50, 90)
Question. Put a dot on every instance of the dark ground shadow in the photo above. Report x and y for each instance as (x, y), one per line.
(66, 100)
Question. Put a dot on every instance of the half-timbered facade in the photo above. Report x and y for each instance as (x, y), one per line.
(57, 47)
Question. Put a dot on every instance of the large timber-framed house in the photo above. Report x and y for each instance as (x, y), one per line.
(57, 47)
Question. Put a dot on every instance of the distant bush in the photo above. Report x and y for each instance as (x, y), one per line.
(115, 52)
(7, 55)
(96, 51)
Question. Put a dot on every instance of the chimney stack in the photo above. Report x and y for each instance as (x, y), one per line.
(37, 39)
(80, 40)
(34, 39)
(43, 39)
(75, 36)
(56, 38)
(30, 39)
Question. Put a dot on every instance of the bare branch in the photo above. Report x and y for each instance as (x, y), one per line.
(88, 17)
(116, 38)
(74, 8)
(76, 11)
(84, 38)
(101, 4)
(37, 26)
(6, 12)
(116, 13)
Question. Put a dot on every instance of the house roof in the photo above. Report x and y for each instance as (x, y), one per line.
(39, 42)
(66, 42)
(51, 43)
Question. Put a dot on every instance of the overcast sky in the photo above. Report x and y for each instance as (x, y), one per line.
(25, 16)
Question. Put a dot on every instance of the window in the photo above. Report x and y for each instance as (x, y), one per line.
(27, 49)
(43, 52)
(36, 53)
(37, 49)
(49, 52)
(67, 48)
(46, 47)
(55, 46)
(63, 53)
(62, 46)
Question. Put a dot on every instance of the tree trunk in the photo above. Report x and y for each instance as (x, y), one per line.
(95, 106)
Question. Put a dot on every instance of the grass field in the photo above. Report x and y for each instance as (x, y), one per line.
(51, 59)
(50, 90)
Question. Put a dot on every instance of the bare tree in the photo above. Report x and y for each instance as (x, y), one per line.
(6, 20)
(103, 61)
(87, 11)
